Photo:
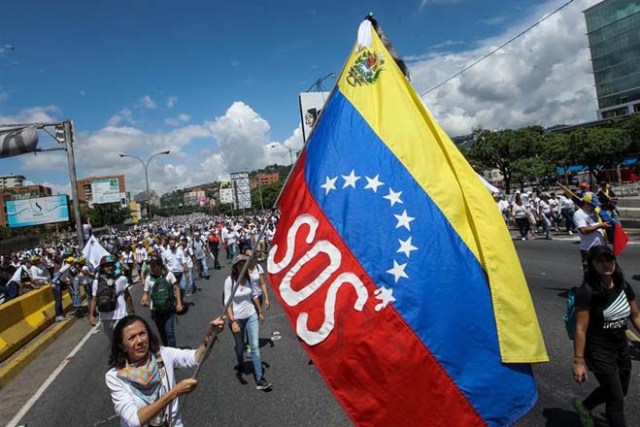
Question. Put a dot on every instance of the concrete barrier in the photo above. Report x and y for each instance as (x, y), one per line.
(22, 318)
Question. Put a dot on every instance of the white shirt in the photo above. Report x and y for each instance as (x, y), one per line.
(121, 284)
(126, 403)
(174, 260)
(242, 305)
(565, 203)
(587, 241)
(254, 276)
(17, 275)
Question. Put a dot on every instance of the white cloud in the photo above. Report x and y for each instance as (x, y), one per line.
(123, 116)
(171, 101)
(32, 115)
(424, 3)
(147, 102)
(58, 189)
(238, 140)
(543, 78)
(178, 120)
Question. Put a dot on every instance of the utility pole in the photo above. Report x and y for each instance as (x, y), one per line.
(68, 143)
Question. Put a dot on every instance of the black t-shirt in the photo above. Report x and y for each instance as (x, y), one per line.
(609, 311)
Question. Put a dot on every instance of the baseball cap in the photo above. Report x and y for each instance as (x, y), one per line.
(590, 198)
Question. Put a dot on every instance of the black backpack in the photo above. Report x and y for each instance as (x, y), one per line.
(162, 295)
(106, 296)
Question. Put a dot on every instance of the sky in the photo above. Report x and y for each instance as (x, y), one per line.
(217, 83)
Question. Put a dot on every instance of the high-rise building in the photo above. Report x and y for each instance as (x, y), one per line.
(613, 28)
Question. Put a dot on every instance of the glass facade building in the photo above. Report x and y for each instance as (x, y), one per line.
(613, 28)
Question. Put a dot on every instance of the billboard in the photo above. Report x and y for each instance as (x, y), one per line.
(226, 196)
(36, 211)
(311, 105)
(105, 191)
(16, 141)
(240, 190)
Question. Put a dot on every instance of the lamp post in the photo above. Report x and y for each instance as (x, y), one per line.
(145, 165)
(275, 145)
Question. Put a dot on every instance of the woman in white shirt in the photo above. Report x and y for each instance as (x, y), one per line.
(258, 283)
(520, 213)
(141, 380)
(245, 314)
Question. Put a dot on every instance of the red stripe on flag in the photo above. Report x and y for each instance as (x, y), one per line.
(620, 239)
(376, 366)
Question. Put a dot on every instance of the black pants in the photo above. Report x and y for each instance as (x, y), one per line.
(523, 226)
(567, 214)
(612, 390)
(215, 251)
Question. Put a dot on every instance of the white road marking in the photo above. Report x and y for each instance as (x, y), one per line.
(27, 406)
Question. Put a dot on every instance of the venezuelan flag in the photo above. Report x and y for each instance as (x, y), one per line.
(395, 268)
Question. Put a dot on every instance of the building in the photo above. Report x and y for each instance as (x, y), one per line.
(265, 179)
(9, 181)
(613, 29)
(18, 193)
(85, 193)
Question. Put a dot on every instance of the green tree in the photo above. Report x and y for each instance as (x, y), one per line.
(597, 146)
(107, 214)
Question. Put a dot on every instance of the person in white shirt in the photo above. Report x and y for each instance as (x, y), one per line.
(245, 314)
(544, 213)
(175, 260)
(188, 283)
(567, 209)
(106, 279)
(141, 379)
(591, 231)
(141, 255)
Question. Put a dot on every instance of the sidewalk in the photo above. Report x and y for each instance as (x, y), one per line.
(633, 233)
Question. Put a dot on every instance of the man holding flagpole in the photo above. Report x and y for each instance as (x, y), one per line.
(587, 224)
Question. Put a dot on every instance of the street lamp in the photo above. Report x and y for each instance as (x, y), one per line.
(275, 145)
(146, 175)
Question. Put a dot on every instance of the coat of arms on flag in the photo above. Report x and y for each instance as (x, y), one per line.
(394, 267)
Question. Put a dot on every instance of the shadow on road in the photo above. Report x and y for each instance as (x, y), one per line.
(563, 294)
(557, 417)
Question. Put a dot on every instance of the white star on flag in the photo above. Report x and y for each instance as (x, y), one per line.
(398, 271)
(329, 185)
(385, 296)
(350, 180)
(404, 220)
(393, 197)
(373, 183)
(406, 247)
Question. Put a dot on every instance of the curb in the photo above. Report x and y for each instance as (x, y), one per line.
(16, 363)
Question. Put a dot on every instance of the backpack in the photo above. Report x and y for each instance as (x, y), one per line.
(162, 295)
(106, 296)
(213, 238)
(570, 316)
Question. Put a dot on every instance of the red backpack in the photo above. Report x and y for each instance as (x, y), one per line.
(213, 238)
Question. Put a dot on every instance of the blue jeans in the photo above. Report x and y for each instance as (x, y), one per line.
(203, 267)
(191, 286)
(74, 290)
(12, 291)
(252, 327)
(233, 248)
(164, 323)
(57, 296)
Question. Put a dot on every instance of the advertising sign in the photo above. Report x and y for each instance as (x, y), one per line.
(36, 211)
(226, 195)
(16, 141)
(311, 105)
(105, 191)
(240, 190)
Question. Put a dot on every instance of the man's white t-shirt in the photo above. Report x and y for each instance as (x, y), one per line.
(121, 284)
(587, 241)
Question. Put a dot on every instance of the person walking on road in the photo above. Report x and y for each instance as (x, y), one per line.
(519, 213)
(604, 303)
(587, 224)
(110, 297)
(141, 378)
(245, 313)
(162, 295)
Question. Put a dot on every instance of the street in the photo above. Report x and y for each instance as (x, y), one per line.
(78, 396)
